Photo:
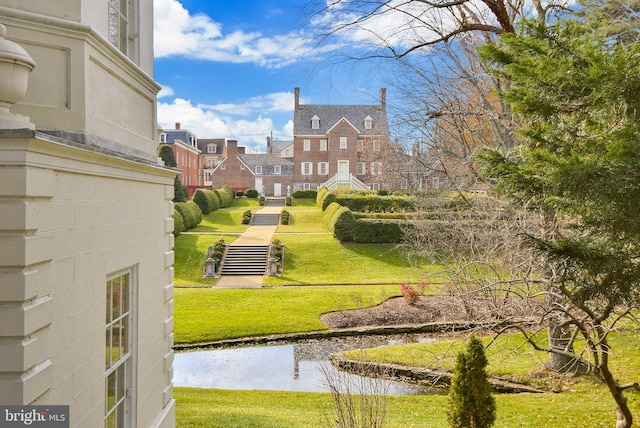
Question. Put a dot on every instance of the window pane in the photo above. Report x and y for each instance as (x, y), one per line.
(108, 348)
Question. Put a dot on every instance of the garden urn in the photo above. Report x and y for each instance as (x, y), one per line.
(15, 66)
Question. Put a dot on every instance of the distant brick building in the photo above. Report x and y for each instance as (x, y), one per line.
(185, 147)
(333, 146)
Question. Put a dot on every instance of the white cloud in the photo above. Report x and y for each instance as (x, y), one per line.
(166, 91)
(178, 33)
(270, 103)
(207, 122)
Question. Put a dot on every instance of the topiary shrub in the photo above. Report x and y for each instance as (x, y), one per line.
(190, 212)
(178, 223)
(261, 201)
(285, 217)
(246, 217)
(321, 193)
(239, 193)
(327, 200)
(229, 192)
(378, 231)
(203, 202)
(288, 201)
(196, 213)
(328, 214)
(343, 224)
(214, 199)
(251, 193)
(470, 401)
(306, 194)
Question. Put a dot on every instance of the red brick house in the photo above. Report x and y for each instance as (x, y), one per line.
(339, 145)
(185, 148)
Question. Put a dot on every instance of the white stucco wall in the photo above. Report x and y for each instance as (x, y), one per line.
(71, 217)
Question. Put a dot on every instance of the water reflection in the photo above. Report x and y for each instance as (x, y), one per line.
(296, 367)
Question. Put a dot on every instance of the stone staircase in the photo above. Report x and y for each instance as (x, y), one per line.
(265, 219)
(245, 260)
(274, 202)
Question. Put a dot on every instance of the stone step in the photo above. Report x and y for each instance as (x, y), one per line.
(265, 219)
(245, 260)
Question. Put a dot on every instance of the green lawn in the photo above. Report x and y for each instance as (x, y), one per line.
(190, 255)
(227, 219)
(321, 259)
(588, 406)
(203, 315)
(305, 217)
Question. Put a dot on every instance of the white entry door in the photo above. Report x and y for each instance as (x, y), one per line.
(277, 189)
(343, 170)
(259, 185)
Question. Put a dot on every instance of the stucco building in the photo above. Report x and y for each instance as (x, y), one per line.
(86, 294)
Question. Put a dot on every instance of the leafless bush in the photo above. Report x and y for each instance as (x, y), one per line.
(357, 401)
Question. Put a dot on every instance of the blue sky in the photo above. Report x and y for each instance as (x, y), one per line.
(228, 68)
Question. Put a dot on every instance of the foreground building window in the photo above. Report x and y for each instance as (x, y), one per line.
(119, 355)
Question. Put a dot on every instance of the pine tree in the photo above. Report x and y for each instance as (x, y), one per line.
(471, 404)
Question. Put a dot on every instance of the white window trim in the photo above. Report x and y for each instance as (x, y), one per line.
(323, 145)
(315, 122)
(129, 361)
(323, 168)
(259, 169)
(306, 145)
(360, 145)
(368, 122)
(277, 170)
(376, 145)
(303, 168)
(343, 142)
(362, 168)
(306, 186)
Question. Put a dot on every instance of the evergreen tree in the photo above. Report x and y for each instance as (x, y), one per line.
(579, 157)
(471, 404)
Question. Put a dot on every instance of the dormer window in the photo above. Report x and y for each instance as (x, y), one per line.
(212, 148)
(315, 122)
(163, 137)
(368, 122)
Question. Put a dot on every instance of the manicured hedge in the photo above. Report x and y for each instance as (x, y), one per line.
(343, 224)
(251, 193)
(285, 217)
(246, 217)
(321, 193)
(375, 203)
(327, 200)
(203, 202)
(378, 231)
(226, 195)
(190, 212)
(178, 223)
(328, 214)
(306, 194)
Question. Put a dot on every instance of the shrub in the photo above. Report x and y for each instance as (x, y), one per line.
(230, 195)
(239, 193)
(203, 202)
(168, 156)
(373, 203)
(179, 192)
(246, 217)
(343, 224)
(410, 294)
(383, 192)
(328, 214)
(285, 217)
(261, 201)
(190, 212)
(327, 200)
(195, 210)
(288, 201)
(178, 223)
(306, 194)
(214, 199)
(470, 401)
(251, 193)
(378, 231)
(321, 193)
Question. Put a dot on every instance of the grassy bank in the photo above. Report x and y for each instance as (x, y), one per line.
(586, 407)
(203, 315)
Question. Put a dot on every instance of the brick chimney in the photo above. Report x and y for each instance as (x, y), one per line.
(177, 125)
(383, 99)
(296, 91)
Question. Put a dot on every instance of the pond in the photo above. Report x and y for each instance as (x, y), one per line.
(298, 367)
